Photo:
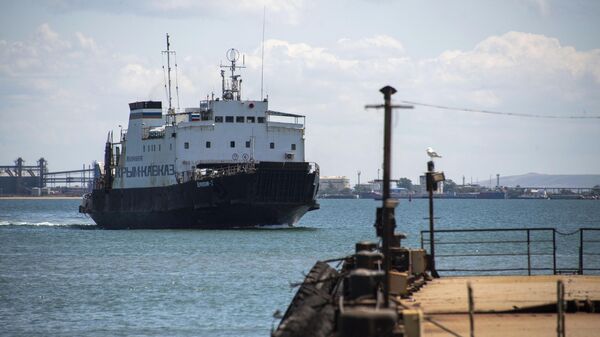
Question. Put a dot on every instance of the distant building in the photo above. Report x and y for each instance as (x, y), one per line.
(399, 192)
(534, 193)
(334, 184)
(371, 186)
(21, 179)
(422, 184)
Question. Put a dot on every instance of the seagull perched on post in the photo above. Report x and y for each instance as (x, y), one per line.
(432, 154)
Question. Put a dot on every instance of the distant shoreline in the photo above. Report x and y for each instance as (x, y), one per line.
(40, 198)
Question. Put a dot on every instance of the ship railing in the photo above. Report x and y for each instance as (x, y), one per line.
(508, 251)
(201, 174)
(153, 132)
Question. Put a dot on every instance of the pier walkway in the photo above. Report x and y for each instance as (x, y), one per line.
(508, 305)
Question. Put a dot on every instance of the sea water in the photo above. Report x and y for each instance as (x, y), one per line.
(60, 276)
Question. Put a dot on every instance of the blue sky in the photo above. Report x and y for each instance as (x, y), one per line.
(68, 69)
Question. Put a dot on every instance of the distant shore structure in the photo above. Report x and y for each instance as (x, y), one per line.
(339, 187)
(20, 179)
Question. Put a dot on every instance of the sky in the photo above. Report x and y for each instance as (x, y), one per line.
(68, 69)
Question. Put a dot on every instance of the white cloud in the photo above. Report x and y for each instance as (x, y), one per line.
(70, 81)
(486, 75)
(49, 39)
(51, 90)
(136, 79)
(542, 6)
(287, 11)
(532, 63)
(514, 72)
(379, 43)
(198, 6)
(86, 42)
(311, 57)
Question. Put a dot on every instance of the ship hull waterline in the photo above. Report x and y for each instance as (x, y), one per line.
(273, 196)
(237, 216)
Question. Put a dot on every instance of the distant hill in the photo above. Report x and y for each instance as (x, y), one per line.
(547, 180)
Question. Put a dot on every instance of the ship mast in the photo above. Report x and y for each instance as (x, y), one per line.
(168, 52)
(234, 89)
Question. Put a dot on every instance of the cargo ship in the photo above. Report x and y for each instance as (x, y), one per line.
(227, 163)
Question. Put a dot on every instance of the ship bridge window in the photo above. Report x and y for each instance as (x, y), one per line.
(239, 119)
(293, 147)
(228, 119)
(232, 144)
(250, 119)
(186, 145)
(261, 119)
(218, 119)
(272, 145)
(206, 115)
(247, 143)
(208, 145)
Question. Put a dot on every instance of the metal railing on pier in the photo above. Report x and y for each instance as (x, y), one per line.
(589, 250)
(509, 251)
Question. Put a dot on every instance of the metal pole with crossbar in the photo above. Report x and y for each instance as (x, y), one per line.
(387, 214)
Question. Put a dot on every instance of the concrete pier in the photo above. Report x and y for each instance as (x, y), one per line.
(508, 305)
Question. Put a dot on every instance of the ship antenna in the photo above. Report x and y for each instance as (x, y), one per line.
(168, 52)
(262, 55)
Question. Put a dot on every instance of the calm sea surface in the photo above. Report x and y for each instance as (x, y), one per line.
(59, 276)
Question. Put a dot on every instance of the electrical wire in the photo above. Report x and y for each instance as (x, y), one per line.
(513, 114)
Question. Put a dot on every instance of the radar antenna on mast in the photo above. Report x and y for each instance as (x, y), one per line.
(234, 88)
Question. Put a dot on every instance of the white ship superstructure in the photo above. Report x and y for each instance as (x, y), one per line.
(161, 149)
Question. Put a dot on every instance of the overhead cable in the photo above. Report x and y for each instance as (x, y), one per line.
(513, 114)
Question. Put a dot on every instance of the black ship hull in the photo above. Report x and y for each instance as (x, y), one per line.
(270, 194)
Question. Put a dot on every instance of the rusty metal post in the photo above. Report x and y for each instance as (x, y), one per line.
(387, 164)
(471, 310)
(528, 253)
(560, 309)
(554, 251)
(580, 270)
